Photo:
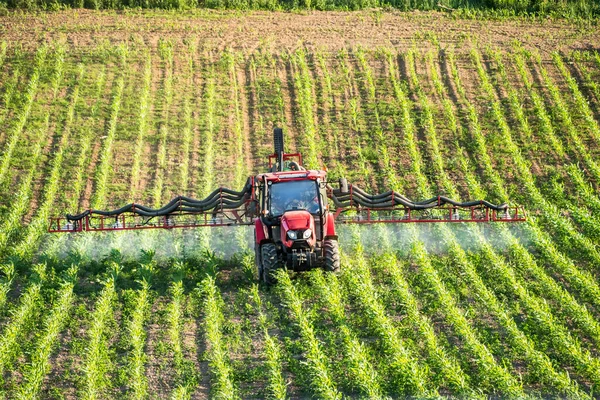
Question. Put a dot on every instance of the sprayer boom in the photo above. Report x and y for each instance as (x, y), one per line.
(287, 186)
(225, 207)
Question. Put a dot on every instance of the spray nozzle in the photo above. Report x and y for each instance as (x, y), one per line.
(455, 215)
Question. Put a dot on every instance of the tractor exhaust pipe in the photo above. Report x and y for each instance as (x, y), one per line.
(278, 144)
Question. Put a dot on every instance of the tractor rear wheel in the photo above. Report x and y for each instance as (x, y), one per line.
(331, 252)
(270, 263)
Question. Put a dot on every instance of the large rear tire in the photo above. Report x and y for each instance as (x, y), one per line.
(331, 252)
(270, 263)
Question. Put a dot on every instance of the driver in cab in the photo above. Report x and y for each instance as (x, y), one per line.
(291, 201)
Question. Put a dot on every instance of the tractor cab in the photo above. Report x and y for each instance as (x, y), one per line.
(294, 228)
(286, 191)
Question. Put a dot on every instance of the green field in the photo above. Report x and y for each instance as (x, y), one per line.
(101, 109)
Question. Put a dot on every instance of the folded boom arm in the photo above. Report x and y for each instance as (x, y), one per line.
(354, 205)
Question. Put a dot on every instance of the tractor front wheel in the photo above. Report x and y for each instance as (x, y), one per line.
(331, 252)
(270, 263)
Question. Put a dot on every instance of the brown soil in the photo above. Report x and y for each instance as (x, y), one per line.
(282, 30)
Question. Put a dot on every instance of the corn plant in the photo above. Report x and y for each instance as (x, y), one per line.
(38, 368)
(578, 313)
(492, 373)
(142, 130)
(240, 141)
(540, 108)
(428, 123)
(450, 113)
(166, 52)
(584, 189)
(561, 381)
(222, 383)
(363, 375)
(276, 86)
(175, 316)
(334, 145)
(562, 111)
(449, 110)
(579, 59)
(3, 47)
(582, 103)
(11, 222)
(208, 135)
(188, 133)
(186, 374)
(566, 229)
(97, 362)
(321, 380)
(380, 140)
(10, 90)
(406, 121)
(258, 97)
(558, 334)
(521, 344)
(586, 222)
(37, 227)
(104, 165)
(137, 341)
(406, 374)
(443, 363)
(57, 75)
(533, 357)
(523, 167)
(87, 136)
(23, 114)
(303, 85)
(581, 280)
(353, 113)
(23, 317)
(477, 134)
(276, 386)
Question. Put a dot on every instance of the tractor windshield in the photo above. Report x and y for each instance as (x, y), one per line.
(294, 195)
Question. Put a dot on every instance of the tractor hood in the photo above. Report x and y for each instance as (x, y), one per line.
(298, 222)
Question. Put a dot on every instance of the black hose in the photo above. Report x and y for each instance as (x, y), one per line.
(358, 197)
(229, 199)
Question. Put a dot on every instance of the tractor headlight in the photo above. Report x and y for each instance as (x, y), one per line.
(292, 235)
(307, 234)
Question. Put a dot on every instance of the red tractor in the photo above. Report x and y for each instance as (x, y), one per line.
(294, 228)
(293, 211)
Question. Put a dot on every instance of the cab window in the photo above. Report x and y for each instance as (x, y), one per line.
(294, 195)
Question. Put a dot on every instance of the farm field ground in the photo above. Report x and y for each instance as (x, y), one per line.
(98, 109)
